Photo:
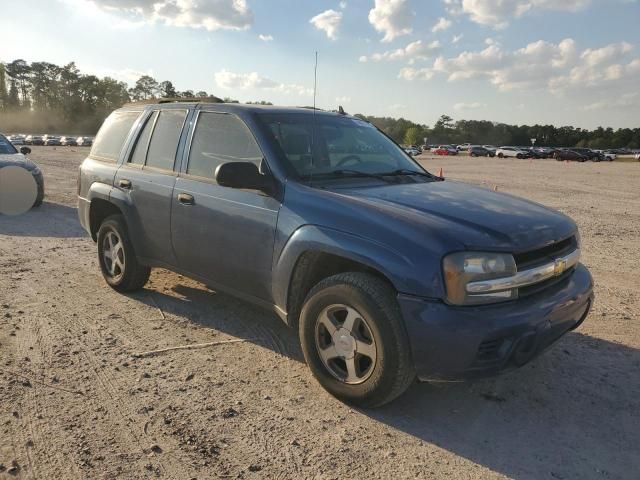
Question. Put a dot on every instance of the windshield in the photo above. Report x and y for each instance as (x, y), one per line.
(336, 143)
(6, 148)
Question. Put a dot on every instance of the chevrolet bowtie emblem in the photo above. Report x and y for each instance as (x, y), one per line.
(559, 266)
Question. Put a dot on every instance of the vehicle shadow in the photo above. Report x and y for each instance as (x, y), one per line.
(573, 413)
(48, 220)
(226, 314)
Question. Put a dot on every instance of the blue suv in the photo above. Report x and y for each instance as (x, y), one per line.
(388, 272)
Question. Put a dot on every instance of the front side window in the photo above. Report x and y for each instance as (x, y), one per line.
(165, 138)
(322, 144)
(112, 135)
(220, 138)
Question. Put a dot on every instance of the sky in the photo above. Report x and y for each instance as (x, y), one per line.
(560, 62)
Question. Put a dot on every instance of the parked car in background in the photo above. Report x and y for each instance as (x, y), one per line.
(52, 141)
(637, 156)
(546, 152)
(568, 154)
(33, 140)
(607, 155)
(511, 152)
(535, 153)
(386, 272)
(9, 156)
(479, 151)
(84, 141)
(589, 154)
(411, 150)
(463, 147)
(491, 148)
(16, 139)
(68, 141)
(444, 150)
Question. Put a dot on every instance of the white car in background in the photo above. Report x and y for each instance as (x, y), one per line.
(606, 155)
(412, 151)
(464, 147)
(510, 152)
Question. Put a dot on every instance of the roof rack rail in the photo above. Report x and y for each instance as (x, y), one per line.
(152, 101)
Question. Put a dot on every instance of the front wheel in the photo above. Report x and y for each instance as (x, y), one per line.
(118, 262)
(500, 155)
(353, 339)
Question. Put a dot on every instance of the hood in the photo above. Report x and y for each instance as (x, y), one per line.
(477, 217)
(18, 160)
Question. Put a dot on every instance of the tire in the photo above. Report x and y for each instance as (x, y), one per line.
(500, 155)
(370, 303)
(126, 274)
(519, 156)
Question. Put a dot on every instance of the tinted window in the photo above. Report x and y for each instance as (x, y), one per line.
(112, 135)
(326, 143)
(164, 141)
(140, 152)
(220, 138)
(5, 146)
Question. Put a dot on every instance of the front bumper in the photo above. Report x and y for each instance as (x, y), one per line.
(458, 343)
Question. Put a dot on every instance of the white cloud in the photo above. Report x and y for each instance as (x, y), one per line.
(391, 17)
(265, 38)
(538, 65)
(469, 106)
(329, 22)
(410, 73)
(498, 13)
(244, 81)
(613, 52)
(441, 25)
(210, 14)
(457, 38)
(414, 51)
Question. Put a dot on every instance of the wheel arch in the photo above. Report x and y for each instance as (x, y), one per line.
(313, 254)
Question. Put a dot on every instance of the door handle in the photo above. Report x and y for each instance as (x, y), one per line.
(186, 199)
(124, 183)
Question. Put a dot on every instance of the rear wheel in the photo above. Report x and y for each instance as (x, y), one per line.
(500, 155)
(118, 263)
(353, 339)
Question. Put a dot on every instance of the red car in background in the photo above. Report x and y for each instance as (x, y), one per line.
(444, 150)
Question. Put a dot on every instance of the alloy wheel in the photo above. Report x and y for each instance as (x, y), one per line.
(345, 344)
(113, 254)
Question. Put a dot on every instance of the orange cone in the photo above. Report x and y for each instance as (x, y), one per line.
(441, 173)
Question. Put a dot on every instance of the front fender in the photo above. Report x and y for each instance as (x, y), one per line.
(398, 268)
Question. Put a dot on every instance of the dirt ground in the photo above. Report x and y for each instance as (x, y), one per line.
(76, 401)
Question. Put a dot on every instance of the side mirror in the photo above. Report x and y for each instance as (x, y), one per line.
(25, 150)
(240, 175)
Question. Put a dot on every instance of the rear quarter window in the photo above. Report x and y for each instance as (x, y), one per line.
(112, 135)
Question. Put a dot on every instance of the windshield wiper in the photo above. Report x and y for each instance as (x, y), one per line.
(345, 172)
(406, 171)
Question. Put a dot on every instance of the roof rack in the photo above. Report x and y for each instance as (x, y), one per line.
(153, 101)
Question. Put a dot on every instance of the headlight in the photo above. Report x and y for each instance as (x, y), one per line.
(464, 267)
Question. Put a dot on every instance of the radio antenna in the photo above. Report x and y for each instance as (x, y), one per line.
(313, 128)
(315, 82)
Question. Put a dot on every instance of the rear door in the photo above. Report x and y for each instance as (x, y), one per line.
(221, 234)
(147, 176)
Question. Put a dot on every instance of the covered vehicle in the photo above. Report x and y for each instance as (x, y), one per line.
(9, 156)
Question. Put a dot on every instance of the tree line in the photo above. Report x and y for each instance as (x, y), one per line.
(44, 97)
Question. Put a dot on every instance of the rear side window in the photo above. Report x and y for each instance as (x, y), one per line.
(165, 138)
(112, 135)
(220, 138)
(140, 151)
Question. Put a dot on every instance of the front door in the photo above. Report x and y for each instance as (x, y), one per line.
(222, 234)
